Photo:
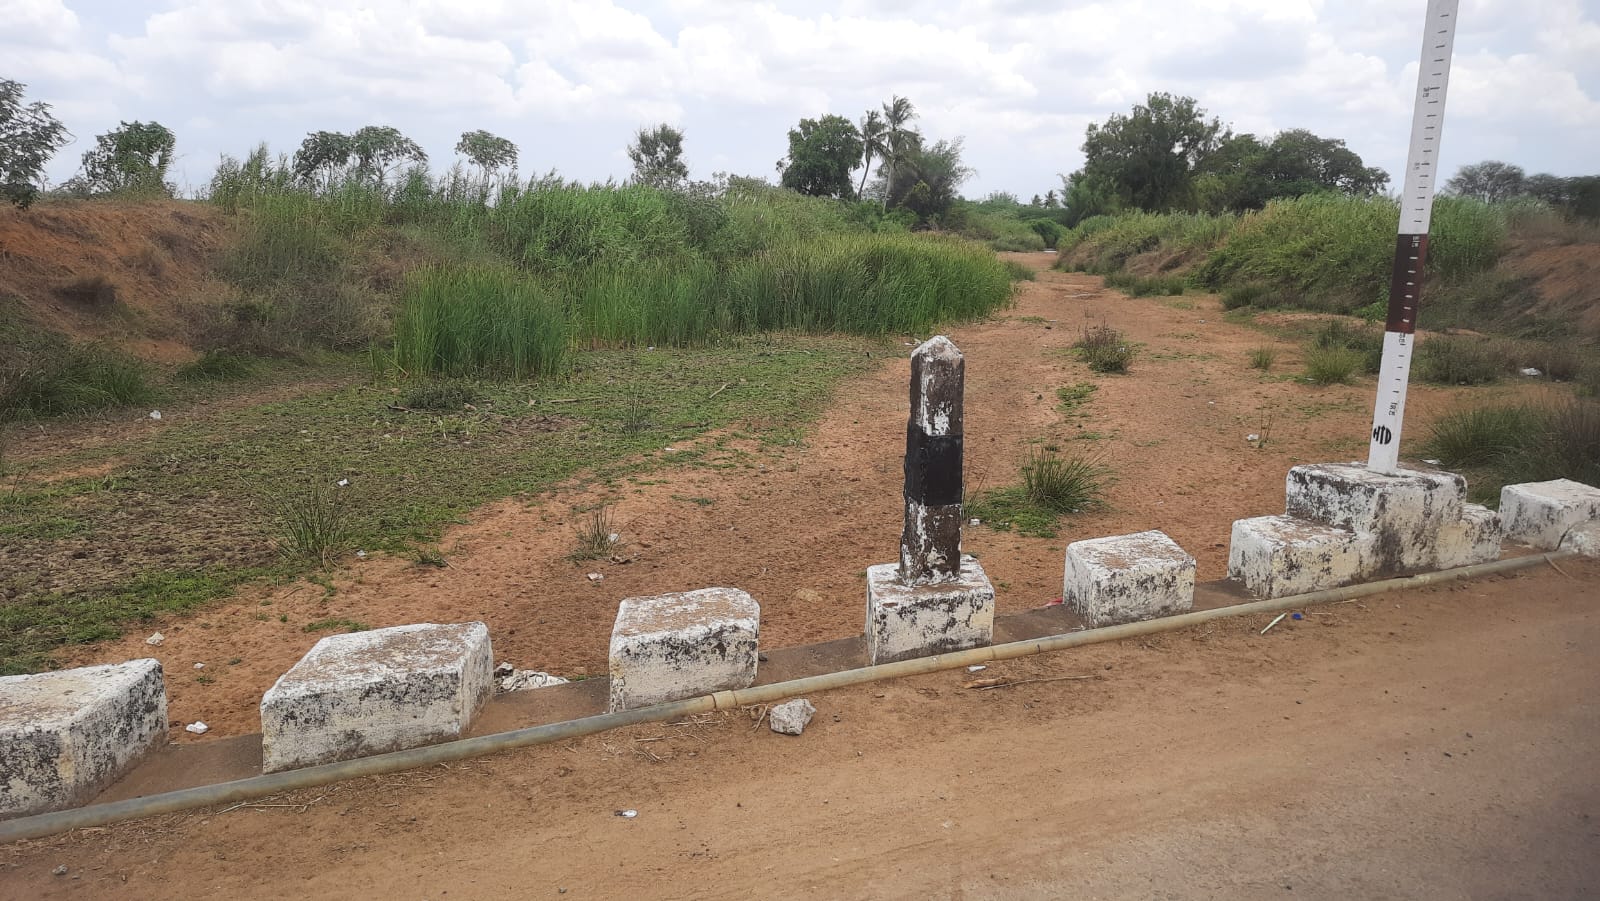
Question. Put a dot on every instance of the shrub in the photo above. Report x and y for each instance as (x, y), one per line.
(1366, 342)
(1020, 272)
(1521, 443)
(1480, 436)
(595, 537)
(1263, 357)
(1146, 286)
(1247, 294)
(442, 395)
(1331, 365)
(1105, 349)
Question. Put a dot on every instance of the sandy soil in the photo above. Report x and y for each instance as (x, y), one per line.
(1438, 743)
(800, 532)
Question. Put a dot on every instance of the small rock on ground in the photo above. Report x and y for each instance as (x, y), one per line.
(791, 717)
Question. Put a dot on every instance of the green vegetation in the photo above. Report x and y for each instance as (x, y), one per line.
(1332, 365)
(1147, 286)
(1523, 442)
(217, 366)
(311, 521)
(1105, 349)
(478, 321)
(1263, 357)
(1052, 486)
(29, 136)
(55, 378)
(595, 536)
(340, 623)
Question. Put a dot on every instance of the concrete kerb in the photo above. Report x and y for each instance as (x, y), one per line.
(263, 786)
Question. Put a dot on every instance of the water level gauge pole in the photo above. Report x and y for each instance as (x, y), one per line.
(1411, 247)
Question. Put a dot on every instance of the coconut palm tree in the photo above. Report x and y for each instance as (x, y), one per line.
(872, 140)
(899, 137)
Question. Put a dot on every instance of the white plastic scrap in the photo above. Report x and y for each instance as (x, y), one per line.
(1530, 371)
(155, 640)
(525, 679)
(976, 668)
(199, 666)
(155, 414)
(361, 555)
(613, 538)
(627, 814)
(595, 577)
(197, 728)
(343, 483)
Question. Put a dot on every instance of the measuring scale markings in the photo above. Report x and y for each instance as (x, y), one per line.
(1411, 244)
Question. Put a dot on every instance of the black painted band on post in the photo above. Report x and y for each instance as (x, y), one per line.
(933, 468)
(1405, 283)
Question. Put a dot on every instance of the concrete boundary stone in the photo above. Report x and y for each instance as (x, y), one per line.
(1126, 578)
(918, 620)
(368, 693)
(1403, 512)
(1539, 514)
(1276, 556)
(673, 646)
(67, 735)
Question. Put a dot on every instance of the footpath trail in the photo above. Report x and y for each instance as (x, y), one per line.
(797, 527)
(1437, 743)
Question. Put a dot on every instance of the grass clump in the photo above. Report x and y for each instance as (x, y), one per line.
(340, 623)
(1332, 365)
(1020, 272)
(73, 378)
(1246, 294)
(218, 365)
(1105, 349)
(597, 537)
(310, 524)
(1147, 286)
(1052, 486)
(470, 320)
(1263, 357)
(1457, 360)
(1523, 442)
(442, 396)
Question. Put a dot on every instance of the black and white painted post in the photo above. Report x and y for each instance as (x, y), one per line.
(1411, 246)
(930, 546)
(934, 600)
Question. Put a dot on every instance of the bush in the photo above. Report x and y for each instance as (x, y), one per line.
(1365, 342)
(1480, 436)
(1146, 286)
(1070, 485)
(1247, 294)
(217, 366)
(1521, 443)
(1263, 357)
(310, 524)
(1105, 349)
(1331, 365)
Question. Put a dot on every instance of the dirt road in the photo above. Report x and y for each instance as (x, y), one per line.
(1439, 743)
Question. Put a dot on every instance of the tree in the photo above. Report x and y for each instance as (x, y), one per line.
(1148, 157)
(925, 180)
(133, 157)
(899, 139)
(657, 155)
(1087, 195)
(1242, 173)
(377, 148)
(821, 154)
(486, 151)
(326, 152)
(29, 137)
(1490, 180)
(873, 143)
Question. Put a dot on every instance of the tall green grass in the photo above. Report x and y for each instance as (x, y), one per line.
(472, 320)
(1522, 442)
(71, 378)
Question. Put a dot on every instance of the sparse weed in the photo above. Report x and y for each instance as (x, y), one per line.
(1335, 365)
(1105, 349)
(1063, 485)
(340, 623)
(444, 395)
(311, 523)
(1263, 357)
(597, 537)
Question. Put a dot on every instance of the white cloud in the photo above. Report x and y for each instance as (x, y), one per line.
(569, 79)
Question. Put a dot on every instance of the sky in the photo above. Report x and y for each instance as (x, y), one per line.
(570, 81)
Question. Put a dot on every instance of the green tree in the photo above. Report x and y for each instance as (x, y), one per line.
(1242, 173)
(873, 144)
(899, 139)
(29, 137)
(657, 155)
(378, 148)
(1148, 157)
(1490, 181)
(325, 153)
(1086, 195)
(133, 157)
(925, 179)
(488, 152)
(821, 154)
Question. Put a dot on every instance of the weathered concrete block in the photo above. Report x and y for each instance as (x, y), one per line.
(905, 621)
(65, 736)
(373, 692)
(1125, 578)
(1473, 537)
(1539, 514)
(674, 646)
(1275, 556)
(1403, 512)
(1584, 539)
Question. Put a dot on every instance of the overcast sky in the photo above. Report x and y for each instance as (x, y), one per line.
(570, 80)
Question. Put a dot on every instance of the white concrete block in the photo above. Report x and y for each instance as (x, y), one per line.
(374, 692)
(674, 646)
(1539, 514)
(906, 621)
(65, 736)
(1125, 578)
(1585, 539)
(1403, 512)
(1473, 537)
(1275, 556)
